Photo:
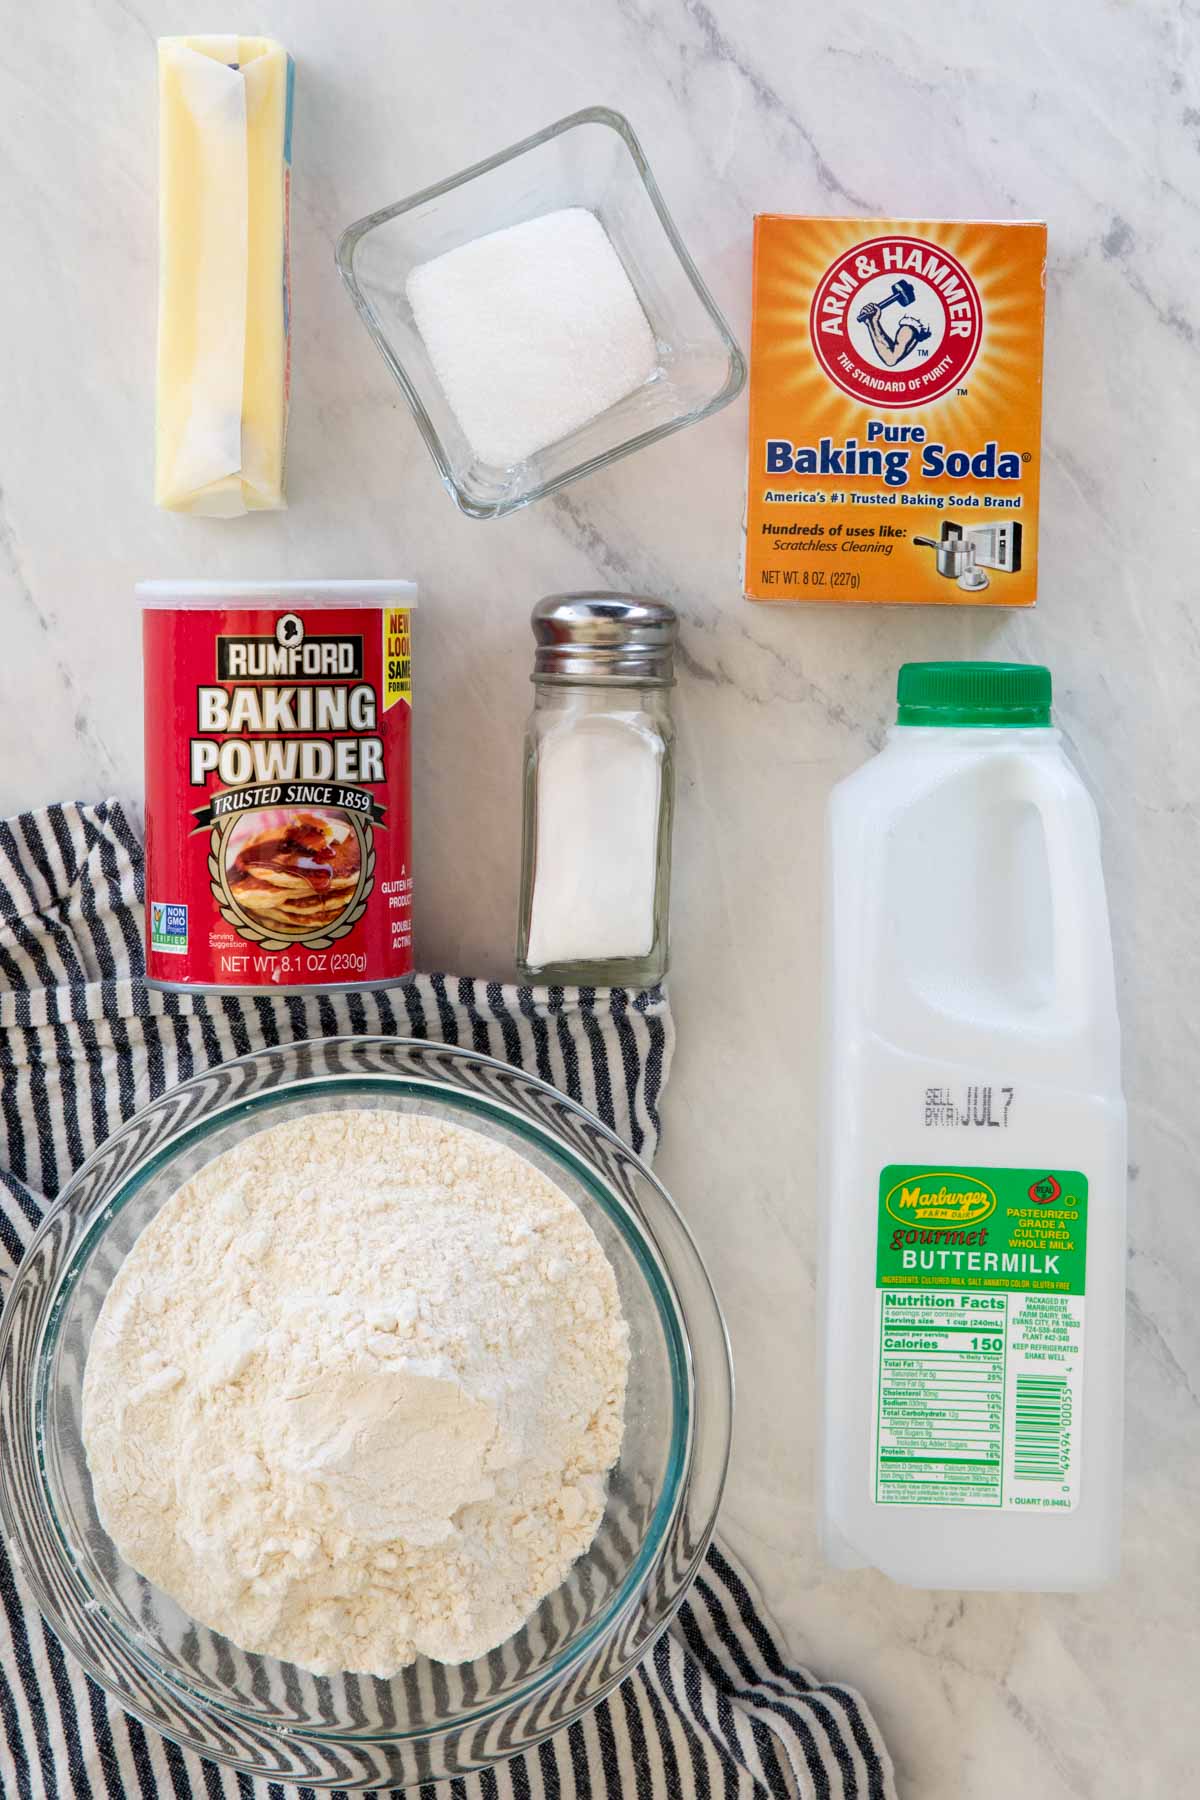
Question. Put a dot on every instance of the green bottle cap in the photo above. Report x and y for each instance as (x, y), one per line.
(973, 693)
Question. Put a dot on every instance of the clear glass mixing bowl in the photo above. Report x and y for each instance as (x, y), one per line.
(273, 1719)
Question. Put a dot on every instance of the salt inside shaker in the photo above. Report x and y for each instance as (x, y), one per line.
(599, 792)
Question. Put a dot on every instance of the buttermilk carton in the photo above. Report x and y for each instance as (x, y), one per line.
(895, 411)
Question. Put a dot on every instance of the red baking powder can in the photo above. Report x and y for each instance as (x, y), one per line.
(278, 784)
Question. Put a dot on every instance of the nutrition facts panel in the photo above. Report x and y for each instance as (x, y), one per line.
(940, 1414)
(977, 1398)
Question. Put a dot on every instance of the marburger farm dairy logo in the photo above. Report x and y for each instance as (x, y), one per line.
(943, 1196)
(896, 321)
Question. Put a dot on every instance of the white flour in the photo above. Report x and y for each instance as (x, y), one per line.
(353, 1393)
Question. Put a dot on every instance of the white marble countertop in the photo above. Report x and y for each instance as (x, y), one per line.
(1087, 115)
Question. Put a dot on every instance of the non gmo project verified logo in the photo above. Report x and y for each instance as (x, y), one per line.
(168, 927)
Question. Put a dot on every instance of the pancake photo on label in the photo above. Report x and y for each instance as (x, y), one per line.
(293, 871)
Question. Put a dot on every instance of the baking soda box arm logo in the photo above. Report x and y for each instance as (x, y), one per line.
(923, 349)
(895, 406)
(278, 796)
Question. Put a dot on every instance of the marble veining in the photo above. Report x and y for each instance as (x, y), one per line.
(1085, 114)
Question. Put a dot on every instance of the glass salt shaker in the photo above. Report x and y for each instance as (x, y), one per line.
(599, 792)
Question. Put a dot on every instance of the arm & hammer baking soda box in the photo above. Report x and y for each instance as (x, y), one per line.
(895, 411)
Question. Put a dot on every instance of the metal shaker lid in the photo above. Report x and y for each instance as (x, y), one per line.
(603, 637)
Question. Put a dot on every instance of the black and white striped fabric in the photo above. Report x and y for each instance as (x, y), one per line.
(718, 1709)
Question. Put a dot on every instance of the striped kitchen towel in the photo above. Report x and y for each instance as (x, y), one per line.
(718, 1708)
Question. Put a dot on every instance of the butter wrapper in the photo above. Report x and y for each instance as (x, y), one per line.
(224, 301)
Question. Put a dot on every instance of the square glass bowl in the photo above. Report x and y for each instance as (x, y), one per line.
(591, 159)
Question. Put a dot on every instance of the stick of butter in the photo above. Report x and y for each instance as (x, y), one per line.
(224, 362)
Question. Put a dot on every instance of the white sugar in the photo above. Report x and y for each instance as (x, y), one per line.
(532, 331)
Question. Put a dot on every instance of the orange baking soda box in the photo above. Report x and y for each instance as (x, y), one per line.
(895, 411)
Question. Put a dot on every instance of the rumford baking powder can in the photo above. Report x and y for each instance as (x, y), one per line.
(278, 784)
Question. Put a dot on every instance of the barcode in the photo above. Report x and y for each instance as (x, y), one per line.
(1040, 1440)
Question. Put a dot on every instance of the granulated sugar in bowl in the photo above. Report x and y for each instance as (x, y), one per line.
(534, 331)
(324, 1437)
